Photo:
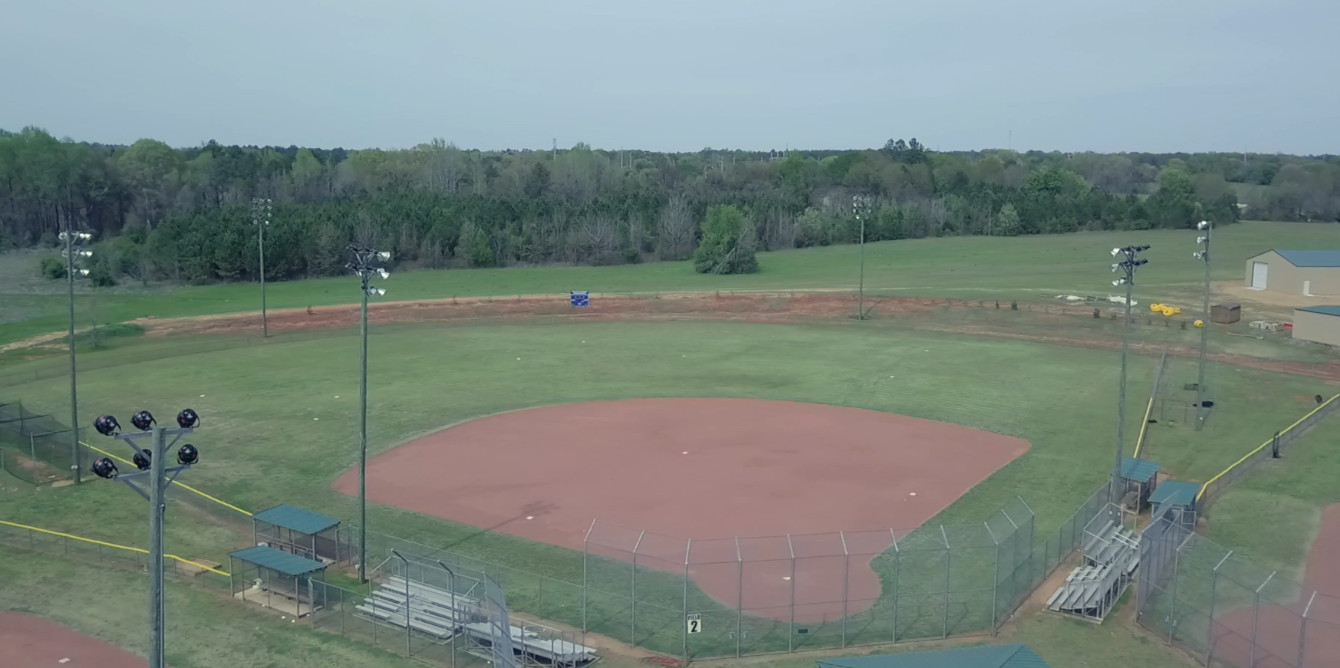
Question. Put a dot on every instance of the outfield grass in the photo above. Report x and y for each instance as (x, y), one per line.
(1006, 268)
(280, 417)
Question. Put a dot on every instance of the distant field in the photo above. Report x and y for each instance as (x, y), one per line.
(977, 267)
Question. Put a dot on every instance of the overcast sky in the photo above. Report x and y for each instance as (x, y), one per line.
(1073, 75)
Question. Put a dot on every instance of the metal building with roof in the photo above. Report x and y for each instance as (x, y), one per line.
(1319, 324)
(277, 579)
(1295, 272)
(297, 531)
(1014, 655)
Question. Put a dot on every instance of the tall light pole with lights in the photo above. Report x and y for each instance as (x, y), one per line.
(73, 254)
(364, 263)
(260, 217)
(1128, 260)
(152, 465)
(1204, 256)
(863, 205)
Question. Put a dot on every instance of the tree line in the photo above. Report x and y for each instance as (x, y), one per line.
(185, 214)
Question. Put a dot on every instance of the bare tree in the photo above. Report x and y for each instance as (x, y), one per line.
(675, 230)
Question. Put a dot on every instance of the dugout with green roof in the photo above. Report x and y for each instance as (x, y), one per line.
(298, 531)
(1014, 655)
(277, 579)
(1176, 492)
(1140, 477)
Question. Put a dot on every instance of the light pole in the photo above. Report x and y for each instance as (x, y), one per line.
(862, 205)
(72, 239)
(150, 463)
(1204, 256)
(260, 217)
(1128, 262)
(363, 263)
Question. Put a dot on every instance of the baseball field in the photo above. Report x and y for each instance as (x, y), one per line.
(511, 430)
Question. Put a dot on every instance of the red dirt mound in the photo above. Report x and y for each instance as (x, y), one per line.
(705, 469)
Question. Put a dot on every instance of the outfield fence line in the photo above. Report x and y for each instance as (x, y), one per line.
(1149, 408)
(1215, 486)
(1226, 609)
(37, 539)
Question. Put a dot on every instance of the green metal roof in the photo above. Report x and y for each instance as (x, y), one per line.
(1141, 470)
(1311, 258)
(1324, 310)
(279, 561)
(997, 656)
(297, 519)
(1175, 492)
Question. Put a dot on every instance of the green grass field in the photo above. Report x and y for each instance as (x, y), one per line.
(967, 267)
(281, 422)
(280, 419)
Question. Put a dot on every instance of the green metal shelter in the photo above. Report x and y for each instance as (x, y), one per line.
(297, 531)
(1014, 655)
(277, 579)
(1139, 476)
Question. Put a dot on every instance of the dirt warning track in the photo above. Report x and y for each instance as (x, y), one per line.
(701, 469)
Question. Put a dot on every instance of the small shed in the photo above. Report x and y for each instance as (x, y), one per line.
(1318, 324)
(297, 531)
(1013, 655)
(1140, 477)
(1226, 314)
(286, 582)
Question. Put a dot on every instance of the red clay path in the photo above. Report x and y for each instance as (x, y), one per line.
(1279, 630)
(702, 469)
(32, 642)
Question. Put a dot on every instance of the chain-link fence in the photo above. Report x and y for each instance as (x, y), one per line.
(753, 595)
(1227, 609)
(105, 554)
(1215, 487)
(34, 447)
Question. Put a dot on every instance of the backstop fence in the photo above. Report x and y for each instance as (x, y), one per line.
(1276, 444)
(742, 596)
(1226, 609)
(34, 447)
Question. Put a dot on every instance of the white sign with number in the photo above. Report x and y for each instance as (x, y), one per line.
(695, 623)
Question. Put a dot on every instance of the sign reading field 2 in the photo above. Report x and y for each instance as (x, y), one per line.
(695, 623)
(581, 298)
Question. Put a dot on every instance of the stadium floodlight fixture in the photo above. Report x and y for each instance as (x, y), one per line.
(151, 481)
(384, 256)
(1199, 255)
(81, 272)
(1203, 225)
(1116, 252)
(1115, 267)
(383, 273)
(1202, 240)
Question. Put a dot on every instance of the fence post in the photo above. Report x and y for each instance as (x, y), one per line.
(1214, 585)
(1256, 616)
(897, 580)
(684, 619)
(949, 558)
(846, 577)
(739, 596)
(585, 541)
(632, 631)
(1302, 631)
(995, 576)
(791, 628)
(1177, 559)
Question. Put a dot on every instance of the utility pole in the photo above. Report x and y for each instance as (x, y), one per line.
(364, 266)
(1204, 256)
(260, 217)
(1129, 261)
(862, 205)
(156, 509)
(70, 237)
